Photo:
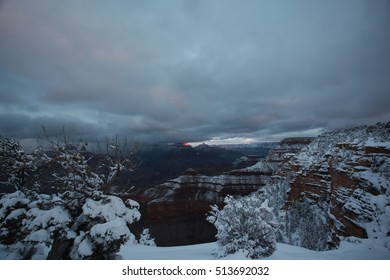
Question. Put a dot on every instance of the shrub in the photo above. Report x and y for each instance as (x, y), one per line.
(245, 225)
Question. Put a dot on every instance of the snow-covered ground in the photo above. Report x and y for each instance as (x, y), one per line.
(365, 250)
(359, 250)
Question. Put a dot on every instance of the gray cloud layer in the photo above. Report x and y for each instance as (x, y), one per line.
(193, 70)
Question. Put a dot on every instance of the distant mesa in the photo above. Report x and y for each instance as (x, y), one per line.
(187, 145)
(180, 145)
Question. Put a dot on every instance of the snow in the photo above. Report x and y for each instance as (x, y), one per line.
(373, 143)
(9, 201)
(146, 239)
(111, 208)
(190, 252)
(376, 179)
(85, 248)
(46, 218)
(346, 251)
(360, 249)
(132, 203)
(350, 249)
(111, 230)
(39, 236)
(16, 213)
(262, 166)
(41, 252)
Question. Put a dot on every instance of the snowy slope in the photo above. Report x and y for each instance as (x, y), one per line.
(366, 250)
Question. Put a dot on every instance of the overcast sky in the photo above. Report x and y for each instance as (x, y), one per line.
(193, 70)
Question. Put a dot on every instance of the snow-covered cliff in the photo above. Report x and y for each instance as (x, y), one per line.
(345, 176)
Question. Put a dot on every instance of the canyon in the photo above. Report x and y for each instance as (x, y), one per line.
(175, 211)
(343, 175)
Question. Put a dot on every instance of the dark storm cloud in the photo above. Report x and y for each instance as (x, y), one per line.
(19, 125)
(193, 70)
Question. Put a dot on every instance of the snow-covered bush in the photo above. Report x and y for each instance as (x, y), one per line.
(306, 226)
(13, 209)
(17, 172)
(245, 225)
(16, 167)
(14, 163)
(79, 221)
(276, 193)
(29, 222)
(106, 230)
(146, 239)
(45, 219)
(101, 221)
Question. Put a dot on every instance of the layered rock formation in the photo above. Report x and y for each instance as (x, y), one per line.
(348, 171)
(175, 211)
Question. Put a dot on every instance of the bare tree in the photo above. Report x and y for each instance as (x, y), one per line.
(120, 152)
